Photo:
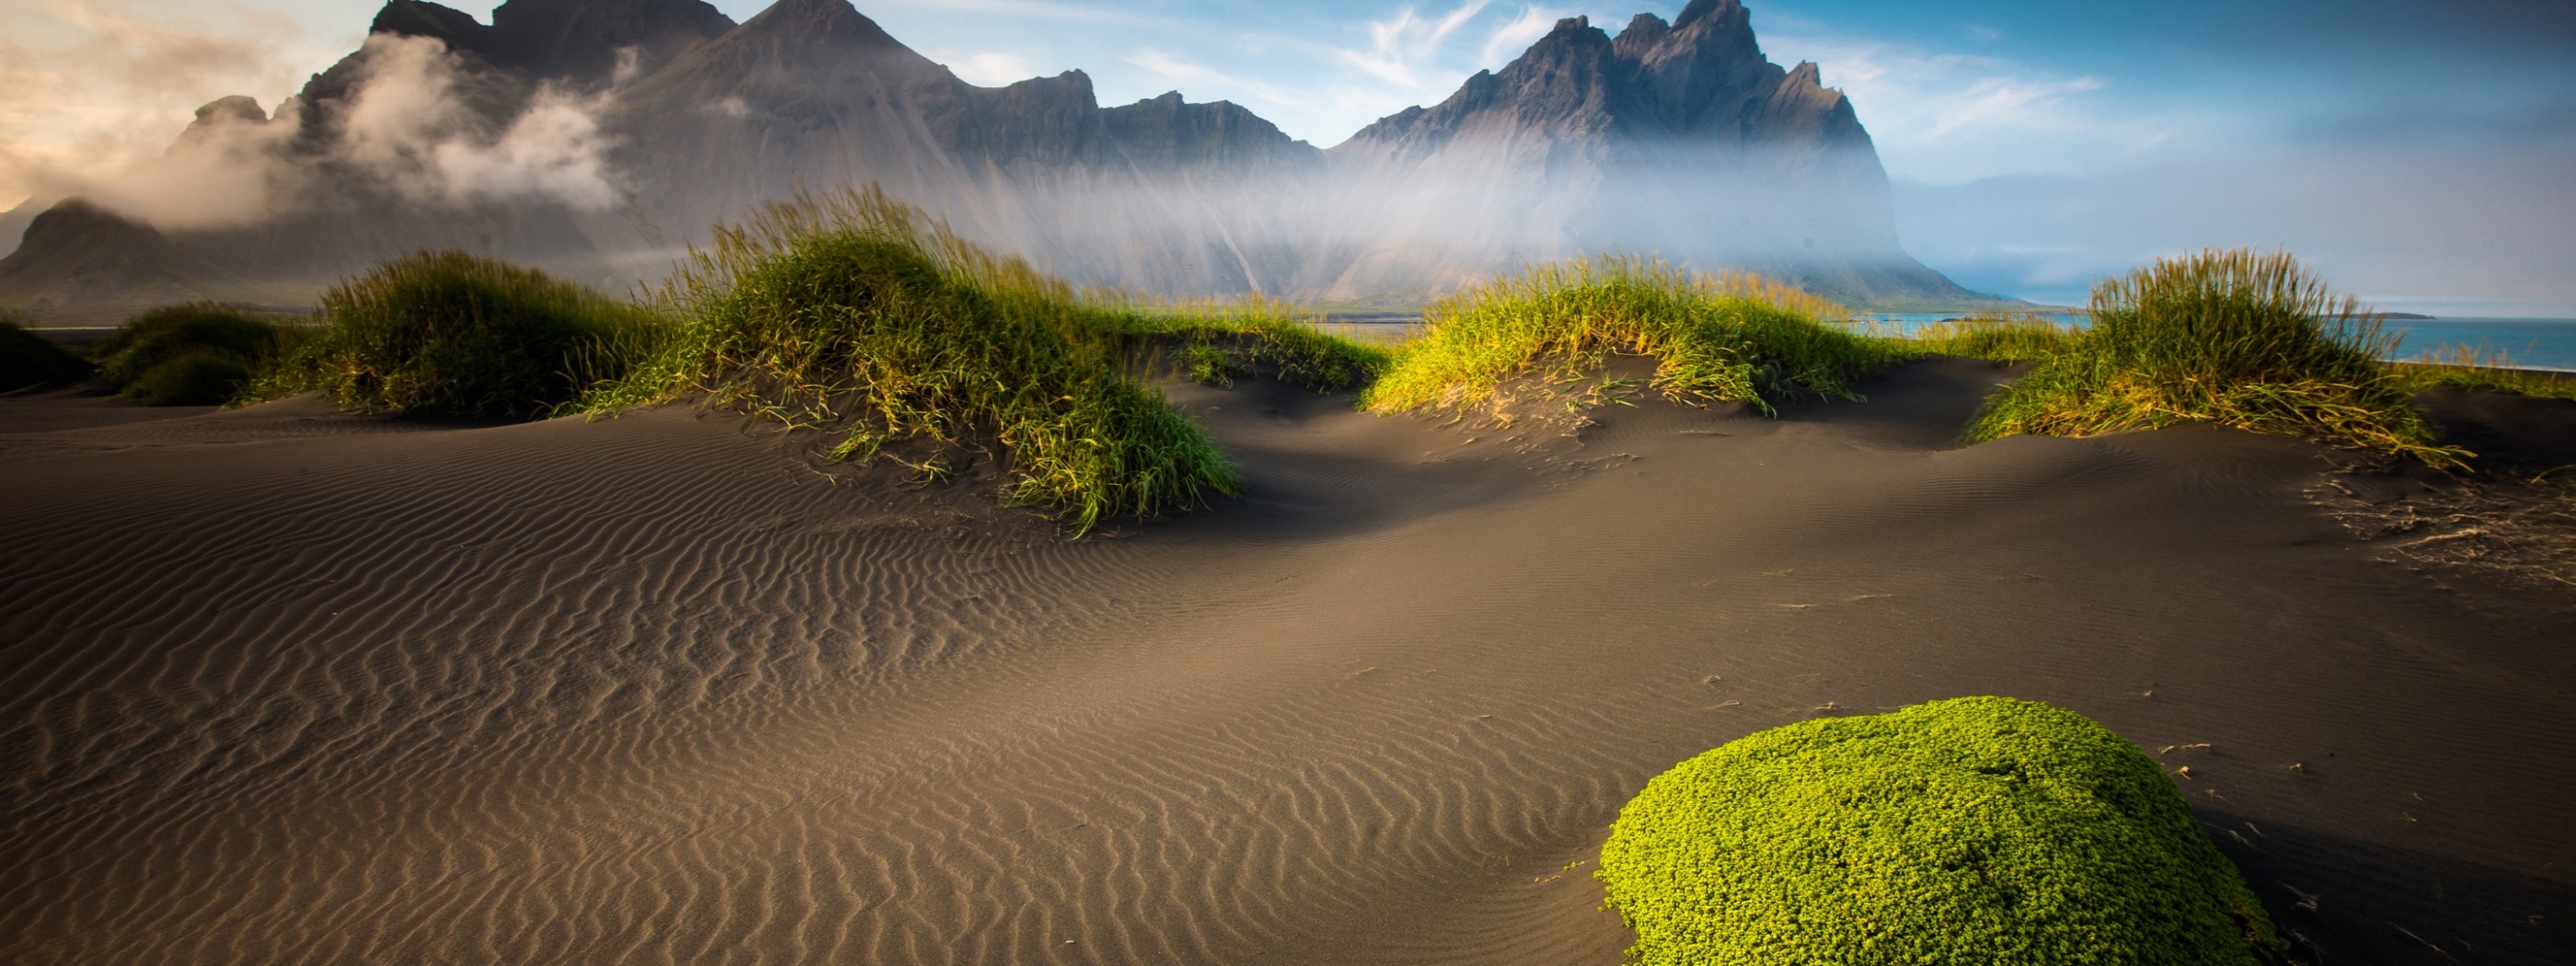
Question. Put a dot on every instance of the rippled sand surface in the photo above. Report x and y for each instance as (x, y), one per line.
(283, 686)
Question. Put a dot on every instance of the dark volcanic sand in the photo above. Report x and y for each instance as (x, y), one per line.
(283, 686)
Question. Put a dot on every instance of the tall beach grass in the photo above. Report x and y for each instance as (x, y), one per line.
(1716, 338)
(28, 358)
(2238, 338)
(453, 333)
(852, 313)
(194, 354)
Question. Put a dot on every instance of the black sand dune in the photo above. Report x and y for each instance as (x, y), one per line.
(284, 686)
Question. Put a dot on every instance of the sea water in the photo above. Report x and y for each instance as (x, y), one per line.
(2529, 343)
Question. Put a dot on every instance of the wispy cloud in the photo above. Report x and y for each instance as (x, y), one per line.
(101, 86)
(989, 68)
(1404, 50)
(1948, 117)
(1509, 38)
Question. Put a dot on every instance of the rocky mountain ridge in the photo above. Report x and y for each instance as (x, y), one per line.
(1679, 138)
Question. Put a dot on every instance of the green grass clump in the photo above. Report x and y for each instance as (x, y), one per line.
(1973, 830)
(2493, 370)
(1218, 342)
(847, 312)
(196, 354)
(198, 378)
(451, 333)
(2237, 338)
(1994, 338)
(1727, 337)
(29, 359)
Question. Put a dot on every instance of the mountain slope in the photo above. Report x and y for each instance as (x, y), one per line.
(597, 138)
(1679, 139)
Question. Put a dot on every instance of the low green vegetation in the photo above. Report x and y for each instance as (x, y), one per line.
(1216, 342)
(451, 333)
(2237, 338)
(1974, 830)
(1715, 338)
(1994, 338)
(2465, 367)
(196, 354)
(30, 359)
(850, 313)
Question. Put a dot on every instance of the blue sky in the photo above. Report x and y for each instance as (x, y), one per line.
(2421, 154)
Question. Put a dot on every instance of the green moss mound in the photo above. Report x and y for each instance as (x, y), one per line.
(2238, 338)
(1974, 830)
(849, 313)
(196, 354)
(29, 359)
(452, 333)
(1729, 338)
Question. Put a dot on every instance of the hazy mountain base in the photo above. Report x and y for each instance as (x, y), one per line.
(1677, 139)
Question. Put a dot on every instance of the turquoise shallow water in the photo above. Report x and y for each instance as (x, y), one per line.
(2534, 343)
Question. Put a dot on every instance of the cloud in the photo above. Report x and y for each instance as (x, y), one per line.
(1180, 71)
(1949, 117)
(99, 87)
(1507, 40)
(2404, 227)
(406, 129)
(991, 68)
(1401, 47)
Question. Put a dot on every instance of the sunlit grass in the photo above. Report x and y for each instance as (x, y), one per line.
(854, 314)
(2478, 367)
(1217, 340)
(1994, 338)
(1715, 338)
(2237, 338)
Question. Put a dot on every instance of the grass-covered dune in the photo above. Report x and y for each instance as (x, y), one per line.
(852, 313)
(2238, 338)
(1715, 338)
(452, 333)
(1972, 830)
(30, 359)
(194, 354)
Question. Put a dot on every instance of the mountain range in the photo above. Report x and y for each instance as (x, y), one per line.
(598, 138)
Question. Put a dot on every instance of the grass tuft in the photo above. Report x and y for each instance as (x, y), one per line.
(1973, 830)
(30, 359)
(1717, 338)
(1995, 338)
(2479, 367)
(854, 313)
(2238, 338)
(1220, 341)
(194, 354)
(452, 333)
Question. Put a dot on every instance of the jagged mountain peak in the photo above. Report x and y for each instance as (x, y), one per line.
(1723, 14)
(583, 42)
